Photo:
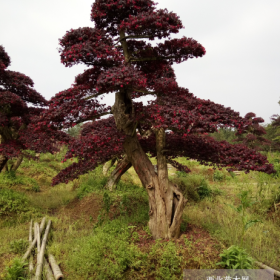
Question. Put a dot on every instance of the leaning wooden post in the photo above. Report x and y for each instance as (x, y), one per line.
(31, 267)
(55, 268)
(40, 258)
(28, 252)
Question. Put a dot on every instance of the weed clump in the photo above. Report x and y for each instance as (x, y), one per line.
(19, 246)
(16, 271)
(218, 176)
(12, 202)
(236, 258)
(168, 262)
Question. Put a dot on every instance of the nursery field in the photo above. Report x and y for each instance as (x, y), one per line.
(98, 234)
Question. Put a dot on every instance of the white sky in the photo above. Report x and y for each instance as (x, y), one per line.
(241, 68)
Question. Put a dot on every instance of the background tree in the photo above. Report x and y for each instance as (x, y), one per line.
(273, 133)
(253, 135)
(20, 107)
(224, 134)
(75, 131)
(121, 61)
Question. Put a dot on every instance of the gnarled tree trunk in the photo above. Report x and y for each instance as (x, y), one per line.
(122, 166)
(166, 201)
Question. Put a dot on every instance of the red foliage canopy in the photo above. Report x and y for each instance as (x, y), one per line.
(120, 60)
(252, 134)
(18, 114)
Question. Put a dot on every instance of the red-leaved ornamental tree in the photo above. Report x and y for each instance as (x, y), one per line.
(252, 134)
(20, 107)
(122, 62)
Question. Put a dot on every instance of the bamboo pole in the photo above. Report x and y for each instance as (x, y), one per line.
(40, 258)
(48, 271)
(28, 252)
(277, 273)
(55, 268)
(31, 267)
(38, 240)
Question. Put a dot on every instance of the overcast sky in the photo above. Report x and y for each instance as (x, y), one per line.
(241, 68)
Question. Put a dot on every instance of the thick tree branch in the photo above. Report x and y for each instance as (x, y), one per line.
(152, 58)
(146, 91)
(94, 95)
(136, 37)
(124, 46)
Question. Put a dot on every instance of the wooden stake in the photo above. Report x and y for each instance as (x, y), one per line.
(55, 268)
(28, 252)
(40, 258)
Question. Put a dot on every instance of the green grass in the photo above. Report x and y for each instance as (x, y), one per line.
(116, 242)
(226, 225)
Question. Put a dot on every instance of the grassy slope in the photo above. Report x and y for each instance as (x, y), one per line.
(105, 236)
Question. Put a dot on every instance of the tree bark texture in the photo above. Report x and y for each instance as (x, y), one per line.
(5, 168)
(122, 166)
(13, 167)
(3, 162)
(16, 165)
(166, 201)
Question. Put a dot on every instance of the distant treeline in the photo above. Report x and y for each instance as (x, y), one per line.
(272, 135)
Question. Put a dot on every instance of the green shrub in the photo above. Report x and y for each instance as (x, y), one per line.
(236, 258)
(203, 190)
(19, 246)
(163, 261)
(16, 271)
(9, 179)
(218, 176)
(12, 202)
(107, 254)
(184, 225)
(169, 262)
(276, 165)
